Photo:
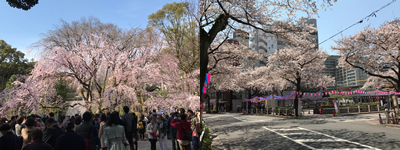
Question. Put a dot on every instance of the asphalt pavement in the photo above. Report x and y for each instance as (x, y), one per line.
(242, 132)
(145, 145)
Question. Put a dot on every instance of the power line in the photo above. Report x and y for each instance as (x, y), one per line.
(373, 14)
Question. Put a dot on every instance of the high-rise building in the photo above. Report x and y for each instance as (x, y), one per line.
(350, 78)
(344, 78)
(331, 64)
(268, 43)
(242, 36)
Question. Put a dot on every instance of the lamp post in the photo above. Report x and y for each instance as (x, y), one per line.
(390, 105)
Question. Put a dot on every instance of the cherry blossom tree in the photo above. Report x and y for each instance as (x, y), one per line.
(300, 64)
(226, 62)
(376, 52)
(177, 90)
(261, 79)
(217, 17)
(107, 68)
(27, 96)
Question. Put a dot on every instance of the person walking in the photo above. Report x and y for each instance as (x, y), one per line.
(182, 126)
(37, 142)
(162, 128)
(52, 132)
(195, 129)
(89, 133)
(135, 131)
(70, 140)
(77, 121)
(127, 122)
(19, 125)
(25, 132)
(103, 125)
(172, 131)
(13, 122)
(153, 133)
(8, 141)
(42, 125)
(51, 114)
(114, 134)
(141, 127)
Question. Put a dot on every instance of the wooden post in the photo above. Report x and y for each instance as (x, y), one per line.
(359, 111)
(286, 113)
(348, 109)
(369, 109)
(279, 112)
(377, 106)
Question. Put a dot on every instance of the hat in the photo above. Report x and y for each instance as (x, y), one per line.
(50, 120)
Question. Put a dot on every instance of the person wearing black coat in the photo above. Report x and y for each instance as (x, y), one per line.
(70, 140)
(87, 131)
(8, 141)
(173, 131)
(52, 132)
(135, 130)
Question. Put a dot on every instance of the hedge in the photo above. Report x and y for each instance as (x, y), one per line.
(206, 141)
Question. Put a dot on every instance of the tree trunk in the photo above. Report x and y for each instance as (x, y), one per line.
(217, 104)
(296, 100)
(249, 97)
(208, 101)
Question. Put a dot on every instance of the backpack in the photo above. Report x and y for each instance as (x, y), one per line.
(187, 135)
(140, 125)
(87, 139)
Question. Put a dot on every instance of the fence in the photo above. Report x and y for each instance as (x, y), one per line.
(342, 110)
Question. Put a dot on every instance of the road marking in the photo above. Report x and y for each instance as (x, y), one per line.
(250, 120)
(290, 138)
(285, 129)
(299, 133)
(319, 140)
(347, 149)
(303, 141)
(370, 147)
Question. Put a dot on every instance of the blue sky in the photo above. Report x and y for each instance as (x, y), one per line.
(21, 28)
(346, 12)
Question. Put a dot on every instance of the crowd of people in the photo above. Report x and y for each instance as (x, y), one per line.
(110, 131)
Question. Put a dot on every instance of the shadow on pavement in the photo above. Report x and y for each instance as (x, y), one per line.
(378, 140)
(259, 141)
(303, 121)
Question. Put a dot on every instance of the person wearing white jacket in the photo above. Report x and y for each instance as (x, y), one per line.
(153, 133)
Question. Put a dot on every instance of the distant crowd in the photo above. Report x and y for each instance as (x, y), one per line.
(110, 131)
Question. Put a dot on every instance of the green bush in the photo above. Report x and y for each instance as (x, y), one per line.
(213, 111)
(370, 103)
(327, 106)
(206, 141)
(208, 112)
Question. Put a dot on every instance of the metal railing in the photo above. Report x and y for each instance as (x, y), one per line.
(204, 130)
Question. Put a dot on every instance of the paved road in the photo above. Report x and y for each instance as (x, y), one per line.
(145, 145)
(239, 132)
